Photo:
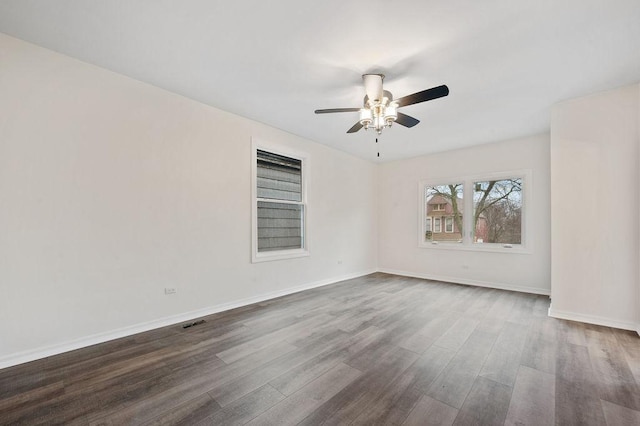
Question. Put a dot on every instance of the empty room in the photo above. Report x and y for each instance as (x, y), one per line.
(334, 212)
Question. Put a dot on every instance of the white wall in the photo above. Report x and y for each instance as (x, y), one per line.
(399, 212)
(111, 190)
(595, 208)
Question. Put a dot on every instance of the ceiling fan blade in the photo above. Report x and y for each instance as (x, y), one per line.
(330, 110)
(355, 128)
(425, 95)
(406, 120)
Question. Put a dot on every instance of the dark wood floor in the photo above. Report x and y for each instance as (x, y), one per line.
(375, 350)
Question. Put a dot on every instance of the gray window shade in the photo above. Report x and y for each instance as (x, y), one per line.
(280, 224)
(279, 177)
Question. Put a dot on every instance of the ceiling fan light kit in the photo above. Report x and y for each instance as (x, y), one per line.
(380, 110)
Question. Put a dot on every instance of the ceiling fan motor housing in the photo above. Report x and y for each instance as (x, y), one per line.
(373, 86)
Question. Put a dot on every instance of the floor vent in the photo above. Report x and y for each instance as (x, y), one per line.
(191, 324)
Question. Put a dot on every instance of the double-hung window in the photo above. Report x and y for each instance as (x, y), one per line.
(448, 225)
(279, 204)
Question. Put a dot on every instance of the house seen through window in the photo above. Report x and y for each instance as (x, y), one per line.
(444, 208)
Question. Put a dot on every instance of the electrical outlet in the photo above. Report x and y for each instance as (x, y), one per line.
(169, 290)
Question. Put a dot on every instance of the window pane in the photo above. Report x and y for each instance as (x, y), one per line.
(279, 177)
(280, 226)
(497, 206)
(444, 207)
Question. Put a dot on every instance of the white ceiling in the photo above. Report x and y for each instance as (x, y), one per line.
(505, 61)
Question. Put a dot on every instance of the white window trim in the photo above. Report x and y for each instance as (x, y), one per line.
(439, 219)
(428, 228)
(258, 144)
(467, 244)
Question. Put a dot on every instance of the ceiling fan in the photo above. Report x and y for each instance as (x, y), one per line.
(380, 110)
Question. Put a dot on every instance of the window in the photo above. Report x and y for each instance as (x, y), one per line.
(436, 225)
(491, 207)
(448, 225)
(440, 200)
(497, 211)
(279, 205)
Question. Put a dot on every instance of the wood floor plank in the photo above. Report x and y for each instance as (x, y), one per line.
(504, 359)
(396, 400)
(576, 404)
(455, 382)
(482, 302)
(616, 415)
(424, 337)
(533, 399)
(296, 407)
(247, 348)
(192, 411)
(27, 377)
(298, 376)
(503, 305)
(615, 383)
(522, 312)
(226, 392)
(573, 332)
(429, 366)
(455, 337)
(540, 349)
(346, 405)
(628, 341)
(36, 396)
(431, 412)
(245, 409)
(577, 394)
(486, 404)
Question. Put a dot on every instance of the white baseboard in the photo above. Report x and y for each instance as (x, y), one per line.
(500, 286)
(594, 319)
(43, 352)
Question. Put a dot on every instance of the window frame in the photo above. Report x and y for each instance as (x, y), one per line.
(467, 243)
(256, 257)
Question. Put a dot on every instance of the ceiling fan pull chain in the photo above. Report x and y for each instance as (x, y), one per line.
(378, 147)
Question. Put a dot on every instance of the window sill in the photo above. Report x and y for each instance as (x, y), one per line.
(278, 255)
(486, 248)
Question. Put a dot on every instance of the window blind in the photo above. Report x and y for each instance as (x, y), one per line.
(280, 208)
